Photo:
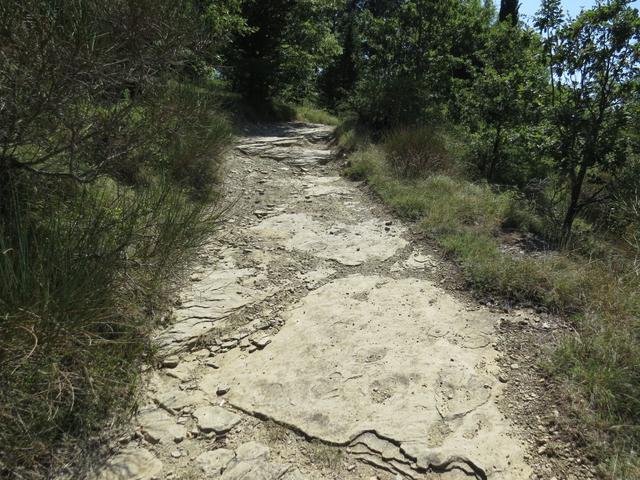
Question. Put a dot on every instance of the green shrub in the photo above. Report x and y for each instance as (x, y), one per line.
(310, 114)
(457, 203)
(77, 273)
(84, 268)
(366, 164)
(521, 216)
(418, 152)
(442, 203)
(351, 134)
(192, 131)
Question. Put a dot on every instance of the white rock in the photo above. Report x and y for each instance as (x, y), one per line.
(258, 470)
(202, 353)
(159, 427)
(252, 451)
(262, 342)
(131, 464)
(215, 462)
(176, 400)
(171, 361)
(215, 419)
(183, 372)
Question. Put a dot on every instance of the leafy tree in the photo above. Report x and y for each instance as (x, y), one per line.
(338, 80)
(98, 62)
(507, 95)
(309, 47)
(414, 55)
(548, 19)
(509, 11)
(253, 58)
(596, 67)
(285, 44)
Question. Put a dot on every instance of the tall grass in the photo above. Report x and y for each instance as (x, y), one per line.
(310, 114)
(418, 152)
(84, 272)
(601, 362)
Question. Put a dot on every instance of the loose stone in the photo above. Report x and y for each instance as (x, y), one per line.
(252, 451)
(203, 353)
(262, 342)
(215, 462)
(215, 419)
(132, 464)
(171, 361)
(222, 389)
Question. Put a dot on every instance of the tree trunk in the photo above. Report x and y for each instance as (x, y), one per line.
(574, 205)
(495, 153)
(567, 224)
(509, 11)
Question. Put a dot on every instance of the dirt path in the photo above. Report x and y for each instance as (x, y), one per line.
(315, 341)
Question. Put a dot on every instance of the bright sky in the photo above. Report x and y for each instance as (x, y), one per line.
(528, 8)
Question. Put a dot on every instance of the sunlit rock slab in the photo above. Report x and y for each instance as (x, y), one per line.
(401, 358)
(215, 296)
(348, 244)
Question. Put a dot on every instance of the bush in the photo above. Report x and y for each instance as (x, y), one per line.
(456, 204)
(418, 152)
(351, 134)
(307, 113)
(191, 131)
(84, 267)
(442, 203)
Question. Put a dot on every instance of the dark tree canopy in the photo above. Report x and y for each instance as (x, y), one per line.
(509, 11)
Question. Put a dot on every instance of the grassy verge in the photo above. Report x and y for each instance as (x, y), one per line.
(85, 271)
(270, 111)
(310, 114)
(601, 363)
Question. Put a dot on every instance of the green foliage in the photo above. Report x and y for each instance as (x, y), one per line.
(105, 163)
(418, 152)
(442, 203)
(280, 51)
(82, 266)
(597, 61)
(509, 11)
(192, 132)
(78, 269)
(307, 113)
(351, 134)
(505, 103)
(412, 62)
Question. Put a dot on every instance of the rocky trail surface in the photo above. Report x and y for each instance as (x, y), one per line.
(316, 340)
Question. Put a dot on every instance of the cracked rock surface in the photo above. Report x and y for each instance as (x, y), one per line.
(315, 340)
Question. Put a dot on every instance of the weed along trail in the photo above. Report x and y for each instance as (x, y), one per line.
(316, 340)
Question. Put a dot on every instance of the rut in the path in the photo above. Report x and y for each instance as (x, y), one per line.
(314, 310)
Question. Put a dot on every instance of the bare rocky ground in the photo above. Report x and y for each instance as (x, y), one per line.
(317, 339)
